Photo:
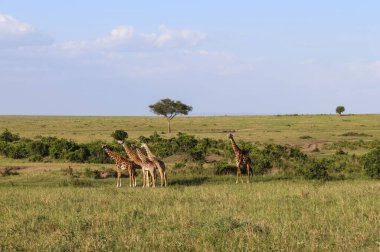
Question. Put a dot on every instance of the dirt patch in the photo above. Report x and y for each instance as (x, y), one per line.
(213, 158)
(314, 146)
(31, 168)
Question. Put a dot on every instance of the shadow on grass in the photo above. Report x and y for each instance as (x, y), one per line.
(195, 181)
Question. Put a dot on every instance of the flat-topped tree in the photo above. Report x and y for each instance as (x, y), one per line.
(170, 109)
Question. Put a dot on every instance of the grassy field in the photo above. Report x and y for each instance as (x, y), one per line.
(45, 208)
(51, 211)
(276, 129)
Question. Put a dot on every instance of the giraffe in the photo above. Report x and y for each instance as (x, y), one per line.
(147, 165)
(160, 165)
(122, 164)
(135, 158)
(242, 160)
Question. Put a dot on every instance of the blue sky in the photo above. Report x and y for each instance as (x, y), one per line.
(222, 57)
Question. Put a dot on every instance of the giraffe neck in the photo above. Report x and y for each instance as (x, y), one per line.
(149, 153)
(141, 155)
(112, 155)
(131, 154)
(235, 147)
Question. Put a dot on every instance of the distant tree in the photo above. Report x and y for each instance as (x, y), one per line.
(169, 109)
(339, 110)
(119, 135)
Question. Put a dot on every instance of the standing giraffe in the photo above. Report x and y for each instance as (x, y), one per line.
(122, 164)
(158, 163)
(147, 165)
(135, 158)
(242, 160)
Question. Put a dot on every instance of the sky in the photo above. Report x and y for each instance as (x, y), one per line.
(221, 57)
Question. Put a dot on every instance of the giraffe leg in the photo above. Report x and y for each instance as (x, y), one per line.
(248, 172)
(161, 176)
(134, 178)
(163, 172)
(153, 179)
(237, 172)
(130, 178)
(165, 178)
(118, 182)
(239, 177)
(147, 183)
(247, 168)
(143, 177)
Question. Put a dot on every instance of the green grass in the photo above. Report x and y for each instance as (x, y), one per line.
(54, 211)
(277, 129)
(45, 211)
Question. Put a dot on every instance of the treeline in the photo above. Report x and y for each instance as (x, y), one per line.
(267, 158)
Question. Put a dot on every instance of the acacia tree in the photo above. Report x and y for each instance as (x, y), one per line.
(170, 109)
(340, 110)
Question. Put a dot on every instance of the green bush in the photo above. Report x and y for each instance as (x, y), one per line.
(8, 136)
(119, 135)
(38, 148)
(17, 151)
(80, 155)
(315, 169)
(223, 168)
(98, 155)
(371, 163)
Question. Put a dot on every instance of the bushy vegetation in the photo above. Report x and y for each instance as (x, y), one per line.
(119, 134)
(52, 148)
(8, 136)
(267, 158)
(371, 163)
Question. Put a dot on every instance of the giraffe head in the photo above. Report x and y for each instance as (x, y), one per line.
(133, 146)
(104, 147)
(230, 136)
(144, 145)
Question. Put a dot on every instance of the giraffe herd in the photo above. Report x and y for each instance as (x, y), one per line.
(149, 164)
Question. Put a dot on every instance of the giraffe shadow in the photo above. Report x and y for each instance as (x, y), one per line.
(196, 181)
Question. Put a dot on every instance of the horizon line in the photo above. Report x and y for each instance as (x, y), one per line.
(194, 115)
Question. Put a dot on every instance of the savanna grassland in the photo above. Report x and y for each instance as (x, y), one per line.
(50, 207)
(282, 129)
(50, 211)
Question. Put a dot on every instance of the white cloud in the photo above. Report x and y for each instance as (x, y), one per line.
(125, 38)
(14, 33)
(120, 35)
(173, 38)
(122, 54)
(10, 25)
